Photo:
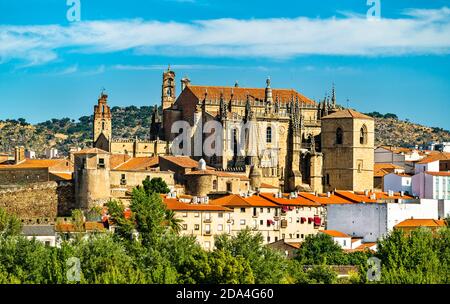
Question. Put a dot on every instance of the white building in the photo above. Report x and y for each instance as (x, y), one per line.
(342, 239)
(30, 154)
(432, 185)
(398, 182)
(402, 157)
(51, 153)
(42, 233)
(372, 221)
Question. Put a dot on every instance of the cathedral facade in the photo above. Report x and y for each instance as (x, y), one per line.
(286, 130)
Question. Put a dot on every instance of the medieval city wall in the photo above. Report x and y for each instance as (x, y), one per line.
(39, 200)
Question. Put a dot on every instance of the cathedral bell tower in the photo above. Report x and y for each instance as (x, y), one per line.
(102, 131)
(168, 89)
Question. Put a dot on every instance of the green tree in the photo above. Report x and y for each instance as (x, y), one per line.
(228, 269)
(410, 259)
(322, 274)
(172, 221)
(9, 224)
(321, 249)
(157, 185)
(268, 266)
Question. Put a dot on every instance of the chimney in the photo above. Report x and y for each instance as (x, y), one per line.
(366, 192)
(328, 194)
(19, 154)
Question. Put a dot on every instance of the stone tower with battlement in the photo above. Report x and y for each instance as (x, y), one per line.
(102, 129)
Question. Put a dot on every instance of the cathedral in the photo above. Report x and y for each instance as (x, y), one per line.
(308, 146)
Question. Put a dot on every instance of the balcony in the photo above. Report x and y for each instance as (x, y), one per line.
(276, 218)
(207, 233)
(284, 223)
(207, 221)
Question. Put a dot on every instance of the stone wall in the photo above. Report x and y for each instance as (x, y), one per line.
(39, 200)
(23, 176)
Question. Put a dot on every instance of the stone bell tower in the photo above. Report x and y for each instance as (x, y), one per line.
(168, 89)
(102, 131)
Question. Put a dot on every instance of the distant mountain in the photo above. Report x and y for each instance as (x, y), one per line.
(129, 122)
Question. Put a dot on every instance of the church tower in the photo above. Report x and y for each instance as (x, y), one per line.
(168, 89)
(348, 151)
(102, 131)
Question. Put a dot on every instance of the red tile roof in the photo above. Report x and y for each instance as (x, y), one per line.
(175, 205)
(435, 157)
(347, 113)
(441, 173)
(183, 161)
(323, 199)
(234, 200)
(286, 201)
(92, 151)
(214, 92)
(335, 233)
(138, 164)
(421, 223)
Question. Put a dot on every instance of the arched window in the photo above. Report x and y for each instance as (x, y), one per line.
(339, 136)
(269, 135)
(363, 135)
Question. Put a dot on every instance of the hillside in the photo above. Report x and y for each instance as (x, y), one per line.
(129, 122)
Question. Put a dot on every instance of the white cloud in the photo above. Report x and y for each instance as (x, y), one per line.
(420, 31)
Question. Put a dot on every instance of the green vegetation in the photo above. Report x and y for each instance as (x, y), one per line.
(146, 248)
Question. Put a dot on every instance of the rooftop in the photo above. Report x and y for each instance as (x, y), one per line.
(214, 93)
(347, 113)
(138, 164)
(335, 233)
(421, 223)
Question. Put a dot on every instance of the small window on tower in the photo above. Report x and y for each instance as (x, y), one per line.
(363, 135)
(101, 163)
(103, 125)
(339, 136)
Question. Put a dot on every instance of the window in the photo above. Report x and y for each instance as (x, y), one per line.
(269, 135)
(276, 239)
(185, 227)
(208, 228)
(242, 210)
(363, 135)
(123, 180)
(220, 227)
(220, 215)
(268, 210)
(214, 185)
(339, 136)
(103, 125)
(101, 163)
(298, 236)
(261, 222)
(197, 227)
(261, 210)
(207, 245)
(184, 214)
(268, 239)
(196, 214)
(242, 222)
(229, 188)
(208, 216)
(328, 180)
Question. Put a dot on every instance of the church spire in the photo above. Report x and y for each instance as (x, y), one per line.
(333, 97)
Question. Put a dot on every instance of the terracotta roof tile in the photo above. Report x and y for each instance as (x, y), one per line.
(92, 151)
(138, 164)
(335, 233)
(286, 201)
(421, 223)
(214, 92)
(37, 163)
(435, 157)
(175, 205)
(347, 113)
(183, 161)
(441, 173)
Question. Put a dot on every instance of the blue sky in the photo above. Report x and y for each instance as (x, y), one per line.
(53, 68)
